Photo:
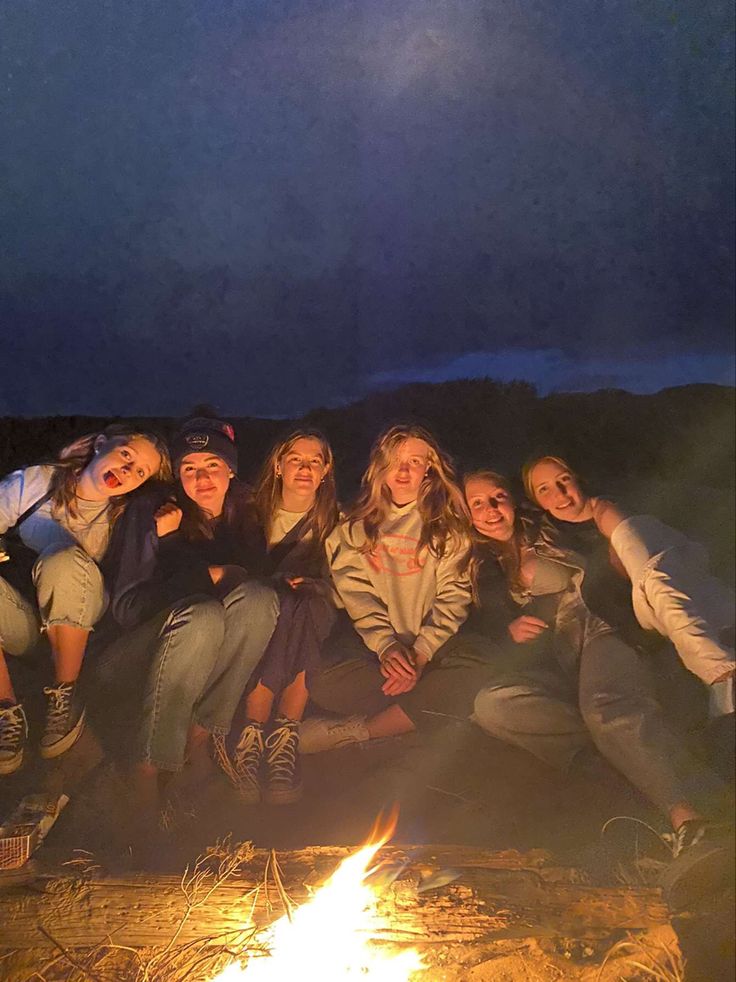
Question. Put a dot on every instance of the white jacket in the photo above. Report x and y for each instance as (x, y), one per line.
(673, 593)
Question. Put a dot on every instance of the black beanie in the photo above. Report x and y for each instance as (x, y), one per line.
(204, 435)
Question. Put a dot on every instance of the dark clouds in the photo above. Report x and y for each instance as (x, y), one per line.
(275, 205)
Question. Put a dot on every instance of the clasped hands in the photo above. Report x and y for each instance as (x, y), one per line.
(402, 668)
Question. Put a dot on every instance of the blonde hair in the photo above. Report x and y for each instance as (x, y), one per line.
(507, 554)
(527, 469)
(440, 502)
(324, 512)
(76, 456)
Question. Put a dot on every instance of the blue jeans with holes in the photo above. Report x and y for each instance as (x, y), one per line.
(69, 590)
(194, 660)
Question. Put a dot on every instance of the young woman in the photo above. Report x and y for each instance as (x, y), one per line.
(567, 679)
(196, 622)
(60, 516)
(297, 507)
(664, 584)
(399, 563)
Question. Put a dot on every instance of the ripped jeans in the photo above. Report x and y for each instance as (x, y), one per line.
(69, 590)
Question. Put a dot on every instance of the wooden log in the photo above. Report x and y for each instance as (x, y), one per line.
(494, 894)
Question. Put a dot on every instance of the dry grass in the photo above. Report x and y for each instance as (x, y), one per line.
(200, 959)
(652, 957)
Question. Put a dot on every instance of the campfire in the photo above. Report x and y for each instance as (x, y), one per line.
(377, 911)
(333, 935)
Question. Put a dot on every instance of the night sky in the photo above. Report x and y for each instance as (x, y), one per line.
(272, 206)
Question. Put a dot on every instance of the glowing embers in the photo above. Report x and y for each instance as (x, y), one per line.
(331, 937)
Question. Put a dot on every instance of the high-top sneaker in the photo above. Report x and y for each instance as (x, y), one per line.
(64, 719)
(284, 779)
(13, 737)
(244, 768)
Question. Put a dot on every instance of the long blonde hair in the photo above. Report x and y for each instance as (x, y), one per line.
(323, 515)
(440, 502)
(75, 457)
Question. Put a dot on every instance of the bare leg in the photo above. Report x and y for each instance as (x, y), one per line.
(293, 699)
(391, 721)
(683, 811)
(68, 644)
(7, 693)
(258, 704)
(197, 752)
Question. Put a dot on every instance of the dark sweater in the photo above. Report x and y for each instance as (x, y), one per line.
(145, 574)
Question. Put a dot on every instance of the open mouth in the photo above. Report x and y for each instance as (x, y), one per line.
(111, 480)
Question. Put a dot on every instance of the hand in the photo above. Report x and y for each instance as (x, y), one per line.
(606, 516)
(227, 578)
(398, 667)
(168, 518)
(526, 628)
(295, 582)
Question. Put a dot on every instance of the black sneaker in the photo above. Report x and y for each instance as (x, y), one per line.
(64, 719)
(13, 737)
(244, 768)
(702, 862)
(284, 780)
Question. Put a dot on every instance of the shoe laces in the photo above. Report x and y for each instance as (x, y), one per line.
(60, 704)
(12, 727)
(689, 834)
(247, 757)
(281, 751)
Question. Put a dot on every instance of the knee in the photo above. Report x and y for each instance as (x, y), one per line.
(200, 619)
(259, 599)
(66, 564)
(495, 707)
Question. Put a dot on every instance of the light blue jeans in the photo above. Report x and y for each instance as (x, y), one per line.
(69, 590)
(196, 658)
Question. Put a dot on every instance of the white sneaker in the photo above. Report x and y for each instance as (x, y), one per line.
(318, 733)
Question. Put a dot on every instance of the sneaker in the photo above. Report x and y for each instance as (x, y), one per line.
(244, 768)
(64, 719)
(13, 737)
(318, 733)
(284, 782)
(702, 862)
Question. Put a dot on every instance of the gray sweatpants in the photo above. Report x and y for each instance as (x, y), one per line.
(611, 703)
(350, 680)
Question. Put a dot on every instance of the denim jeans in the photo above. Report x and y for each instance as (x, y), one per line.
(610, 704)
(194, 661)
(69, 590)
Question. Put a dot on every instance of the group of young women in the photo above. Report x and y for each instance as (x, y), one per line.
(224, 610)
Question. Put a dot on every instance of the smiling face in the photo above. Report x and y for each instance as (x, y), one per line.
(556, 490)
(492, 509)
(119, 466)
(301, 470)
(409, 465)
(205, 479)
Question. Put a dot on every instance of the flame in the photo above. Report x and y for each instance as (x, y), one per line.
(330, 936)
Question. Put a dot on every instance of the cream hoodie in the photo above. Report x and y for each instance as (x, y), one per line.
(389, 595)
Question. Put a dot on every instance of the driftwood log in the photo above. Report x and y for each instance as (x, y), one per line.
(495, 895)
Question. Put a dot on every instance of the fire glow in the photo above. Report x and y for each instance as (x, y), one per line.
(332, 936)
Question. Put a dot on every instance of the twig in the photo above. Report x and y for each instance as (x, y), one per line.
(65, 953)
(452, 794)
